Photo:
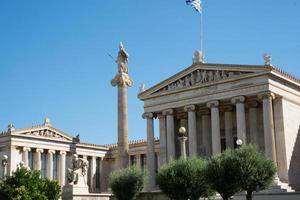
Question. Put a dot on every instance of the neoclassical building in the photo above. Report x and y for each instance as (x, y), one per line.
(220, 103)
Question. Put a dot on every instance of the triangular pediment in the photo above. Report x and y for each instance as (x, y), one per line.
(46, 132)
(202, 75)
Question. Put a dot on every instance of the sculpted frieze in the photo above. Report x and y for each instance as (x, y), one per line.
(45, 133)
(201, 77)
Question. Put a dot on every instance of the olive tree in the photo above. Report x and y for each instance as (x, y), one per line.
(256, 172)
(24, 184)
(127, 183)
(223, 174)
(184, 179)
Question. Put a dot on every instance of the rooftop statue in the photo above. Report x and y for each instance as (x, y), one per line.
(198, 57)
(268, 59)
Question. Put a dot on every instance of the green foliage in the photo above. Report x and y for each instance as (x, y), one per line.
(27, 185)
(127, 183)
(184, 179)
(223, 174)
(256, 171)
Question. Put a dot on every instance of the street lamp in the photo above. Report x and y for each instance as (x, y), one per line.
(239, 143)
(182, 138)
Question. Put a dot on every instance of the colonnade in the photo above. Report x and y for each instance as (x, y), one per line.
(210, 128)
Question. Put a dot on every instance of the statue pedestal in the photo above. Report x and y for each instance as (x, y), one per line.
(71, 191)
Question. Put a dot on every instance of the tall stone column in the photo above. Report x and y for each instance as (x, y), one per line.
(122, 81)
(50, 164)
(170, 134)
(206, 131)
(253, 122)
(215, 126)
(192, 129)
(93, 174)
(150, 151)
(62, 168)
(269, 134)
(228, 127)
(240, 117)
(38, 159)
(25, 156)
(162, 140)
(138, 161)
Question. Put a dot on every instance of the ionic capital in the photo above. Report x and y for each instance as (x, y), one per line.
(26, 149)
(190, 108)
(168, 112)
(266, 95)
(212, 104)
(148, 115)
(62, 152)
(239, 99)
(39, 150)
(50, 151)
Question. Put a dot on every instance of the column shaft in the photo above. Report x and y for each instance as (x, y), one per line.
(240, 118)
(228, 129)
(62, 168)
(170, 134)
(37, 159)
(150, 151)
(253, 123)
(269, 134)
(50, 164)
(215, 127)
(93, 174)
(192, 129)
(206, 132)
(25, 156)
(162, 140)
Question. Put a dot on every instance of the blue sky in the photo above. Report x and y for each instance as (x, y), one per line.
(53, 54)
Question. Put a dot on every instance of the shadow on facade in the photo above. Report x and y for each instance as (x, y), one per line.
(294, 169)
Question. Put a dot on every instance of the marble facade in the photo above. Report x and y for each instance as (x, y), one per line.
(218, 104)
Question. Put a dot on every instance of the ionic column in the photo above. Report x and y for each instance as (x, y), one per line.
(150, 151)
(93, 173)
(62, 168)
(192, 129)
(170, 134)
(25, 156)
(50, 164)
(162, 139)
(37, 159)
(269, 134)
(253, 122)
(215, 126)
(240, 117)
(138, 161)
(206, 131)
(228, 127)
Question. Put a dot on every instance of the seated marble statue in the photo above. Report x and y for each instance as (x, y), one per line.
(78, 171)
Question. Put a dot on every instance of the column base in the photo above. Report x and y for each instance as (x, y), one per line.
(279, 187)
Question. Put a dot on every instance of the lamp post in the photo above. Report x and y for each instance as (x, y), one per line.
(4, 163)
(182, 138)
(239, 143)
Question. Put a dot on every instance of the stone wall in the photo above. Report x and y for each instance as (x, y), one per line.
(292, 139)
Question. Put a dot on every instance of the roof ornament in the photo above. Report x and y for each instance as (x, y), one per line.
(198, 57)
(142, 88)
(47, 122)
(11, 128)
(268, 59)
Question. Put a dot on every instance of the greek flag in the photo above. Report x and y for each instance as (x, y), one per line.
(195, 4)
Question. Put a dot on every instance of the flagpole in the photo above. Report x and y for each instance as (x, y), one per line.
(201, 30)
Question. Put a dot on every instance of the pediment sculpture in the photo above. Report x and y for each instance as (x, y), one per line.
(45, 133)
(78, 172)
(201, 77)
